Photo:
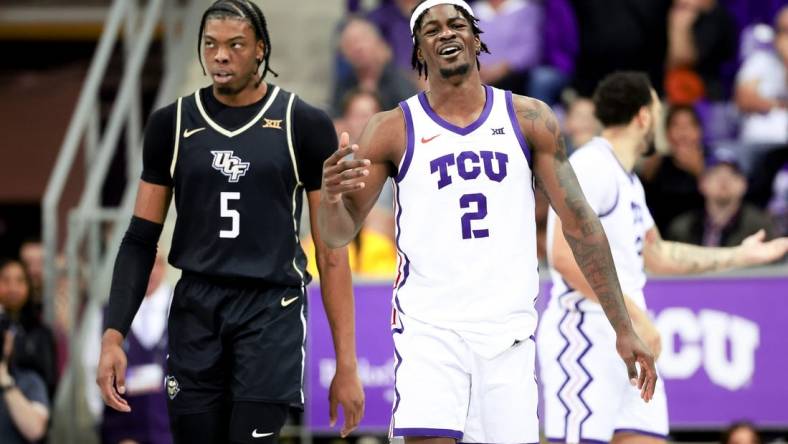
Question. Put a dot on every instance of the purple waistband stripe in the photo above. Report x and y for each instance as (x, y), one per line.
(441, 433)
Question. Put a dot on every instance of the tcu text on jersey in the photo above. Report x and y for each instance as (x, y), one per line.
(229, 165)
(468, 166)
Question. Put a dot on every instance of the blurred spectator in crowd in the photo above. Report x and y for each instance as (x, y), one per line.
(762, 92)
(513, 33)
(701, 38)
(725, 220)
(392, 19)
(358, 106)
(560, 47)
(671, 181)
(146, 349)
(373, 69)
(580, 124)
(24, 407)
(31, 252)
(35, 344)
(740, 433)
(778, 205)
(619, 35)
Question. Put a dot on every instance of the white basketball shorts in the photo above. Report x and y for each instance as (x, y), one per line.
(587, 394)
(444, 389)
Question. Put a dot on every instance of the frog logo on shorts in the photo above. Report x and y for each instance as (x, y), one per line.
(229, 165)
(172, 386)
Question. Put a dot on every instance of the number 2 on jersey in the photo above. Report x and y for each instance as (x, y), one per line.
(481, 212)
(234, 215)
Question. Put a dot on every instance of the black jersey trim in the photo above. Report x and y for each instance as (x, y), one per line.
(225, 132)
(177, 138)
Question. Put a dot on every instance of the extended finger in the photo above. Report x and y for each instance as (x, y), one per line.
(339, 154)
(352, 418)
(354, 173)
(111, 396)
(632, 371)
(345, 187)
(119, 370)
(344, 165)
(650, 378)
(332, 411)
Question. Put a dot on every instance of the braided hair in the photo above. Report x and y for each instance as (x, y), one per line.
(245, 10)
(414, 58)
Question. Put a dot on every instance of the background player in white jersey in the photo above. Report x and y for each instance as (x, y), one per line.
(464, 158)
(587, 398)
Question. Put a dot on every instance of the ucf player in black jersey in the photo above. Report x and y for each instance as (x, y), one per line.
(236, 156)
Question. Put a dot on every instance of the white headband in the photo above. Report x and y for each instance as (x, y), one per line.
(429, 4)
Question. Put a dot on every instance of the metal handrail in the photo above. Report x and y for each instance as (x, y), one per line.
(81, 119)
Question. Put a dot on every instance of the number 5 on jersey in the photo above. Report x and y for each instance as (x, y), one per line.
(234, 215)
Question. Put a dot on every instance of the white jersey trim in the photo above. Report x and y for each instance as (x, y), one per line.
(219, 129)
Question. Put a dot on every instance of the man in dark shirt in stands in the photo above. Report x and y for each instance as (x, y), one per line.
(726, 220)
(236, 156)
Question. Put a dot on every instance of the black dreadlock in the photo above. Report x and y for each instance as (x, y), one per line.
(414, 58)
(246, 10)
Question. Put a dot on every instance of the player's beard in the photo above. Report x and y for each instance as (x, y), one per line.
(650, 143)
(459, 70)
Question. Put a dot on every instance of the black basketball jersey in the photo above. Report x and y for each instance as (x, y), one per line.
(237, 193)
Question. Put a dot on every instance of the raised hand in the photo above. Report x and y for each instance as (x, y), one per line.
(342, 175)
(632, 350)
(754, 251)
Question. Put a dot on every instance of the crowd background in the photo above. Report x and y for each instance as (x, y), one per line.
(720, 175)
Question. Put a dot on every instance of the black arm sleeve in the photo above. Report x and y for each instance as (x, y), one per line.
(159, 145)
(315, 140)
(132, 271)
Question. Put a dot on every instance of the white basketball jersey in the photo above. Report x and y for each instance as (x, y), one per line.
(465, 226)
(617, 197)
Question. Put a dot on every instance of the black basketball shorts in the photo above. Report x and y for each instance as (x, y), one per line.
(234, 340)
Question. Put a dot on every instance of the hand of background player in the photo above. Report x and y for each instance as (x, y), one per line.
(754, 251)
(111, 373)
(342, 175)
(632, 350)
(346, 391)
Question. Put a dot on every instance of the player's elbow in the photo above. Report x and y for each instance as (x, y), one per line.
(331, 257)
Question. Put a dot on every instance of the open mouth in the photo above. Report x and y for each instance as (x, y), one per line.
(450, 50)
(222, 77)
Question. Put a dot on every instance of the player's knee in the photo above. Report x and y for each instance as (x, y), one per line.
(256, 422)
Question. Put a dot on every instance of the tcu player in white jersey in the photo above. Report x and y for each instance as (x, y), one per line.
(464, 158)
(587, 397)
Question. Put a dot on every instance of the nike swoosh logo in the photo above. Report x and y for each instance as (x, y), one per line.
(423, 140)
(286, 302)
(188, 133)
(260, 435)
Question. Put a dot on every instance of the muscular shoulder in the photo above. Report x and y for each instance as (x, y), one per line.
(537, 121)
(384, 138)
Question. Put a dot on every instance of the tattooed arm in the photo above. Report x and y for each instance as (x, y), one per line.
(666, 257)
(583, 231)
